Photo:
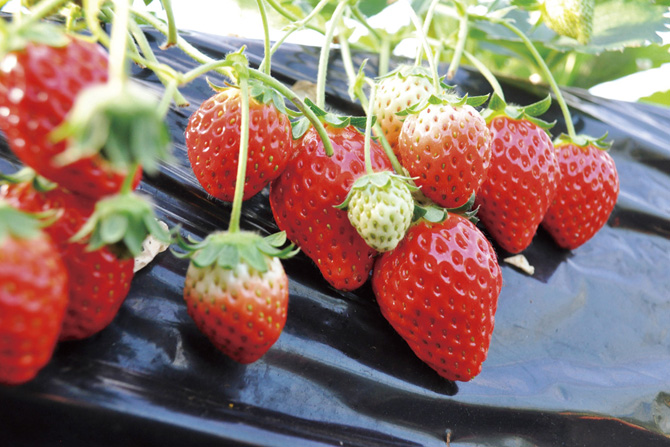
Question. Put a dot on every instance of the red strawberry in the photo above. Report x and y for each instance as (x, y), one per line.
(38, 87)
(33, 297)
(447, 148)
(587, 192)
(523, 176)
(99, 281)
(439, 290)
(236, 291)
(213, 141)
(304, 197)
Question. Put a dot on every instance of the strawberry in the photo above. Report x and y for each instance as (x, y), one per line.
(38, 87)
(380, 206)
(33, 296)
(401, 89)
(304, 197)
(587, 191)
(571, 18)
(439, 290)
(446, 148)
(523, 176)
(236, 291)
(99, 281)
(213, 141)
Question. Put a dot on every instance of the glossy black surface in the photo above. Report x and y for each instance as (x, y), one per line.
(580, 354)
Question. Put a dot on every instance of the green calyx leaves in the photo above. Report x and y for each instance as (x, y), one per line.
(120, 121)
(379, 180)
(122, 222)
(583, 141)
(227, 250)
(26, 175)
(302, 125)
(433, 213)
(15, 38)
(444, 98)
(21, 225)
(498, 107)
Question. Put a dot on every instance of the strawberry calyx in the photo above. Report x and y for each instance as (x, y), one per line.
(299, 127)
(498, 107)
(119, 121)
(444, 98)
(407, 71)
(28, 175)
(431, 212)
(229, 249)
(379, 180)
(21, 225)
(583, 141)
(16, 36)
(122, 222)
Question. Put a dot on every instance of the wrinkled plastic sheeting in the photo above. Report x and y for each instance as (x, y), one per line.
(580, 354)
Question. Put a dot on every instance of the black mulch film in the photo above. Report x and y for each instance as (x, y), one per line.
(580, 354)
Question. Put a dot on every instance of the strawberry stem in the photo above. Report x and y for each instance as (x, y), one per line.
(325, 52)
(488, 74)
(463, 30)
(172, 25)
(266, 37)
(368, 129)
(42, 10)
(290, 16)
(545, 70)
(293, 28)
(426, 48)
(119, 42)
(236, 212)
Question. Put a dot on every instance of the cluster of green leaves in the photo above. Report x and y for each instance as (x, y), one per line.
(625, 39)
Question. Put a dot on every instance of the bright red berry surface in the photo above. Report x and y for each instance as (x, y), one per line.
(213, 141)
(303, 200)
(439, 290)
(99, 281)
(38, 86)
(33, 297)
(586, 195)
(520, 184)
(448, 150)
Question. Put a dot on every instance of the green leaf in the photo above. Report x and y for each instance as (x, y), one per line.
(276, 239)
(253, 257)
(299, 127)
(208, 254)
(658, 98)
(229, 257)
(113, 228)
(538, 108)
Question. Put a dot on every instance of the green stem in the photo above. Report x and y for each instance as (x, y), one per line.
(213, 65)
(148, 53)
(384, 56)
(463, 30)
(290, 16)
(293, 28)
(236, 213)
(488, 74)
(368, 129)
(325, 53)
(347, 60)
(127, 185)
(547, 74)
(361, 18)
(170, 92)
(291, 96)
(42, 10)
(426, 48)
(172, 25)
(266, 37)
(119, 42)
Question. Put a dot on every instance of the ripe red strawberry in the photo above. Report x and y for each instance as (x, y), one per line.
(304, 197)
(523, 176)
(401, 89)
(236, 291)
(99, 281)
(33, 297)
(213, 141)
(587, 192)
(447, 149)
(439, 290)
(38, 87)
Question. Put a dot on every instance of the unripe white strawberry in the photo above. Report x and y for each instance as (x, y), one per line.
(571, 18)
(380, 206)
(397, 91)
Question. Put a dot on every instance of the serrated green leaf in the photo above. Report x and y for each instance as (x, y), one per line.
(229, 257)
(207, 255)
(252, 256)
(113, 228)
